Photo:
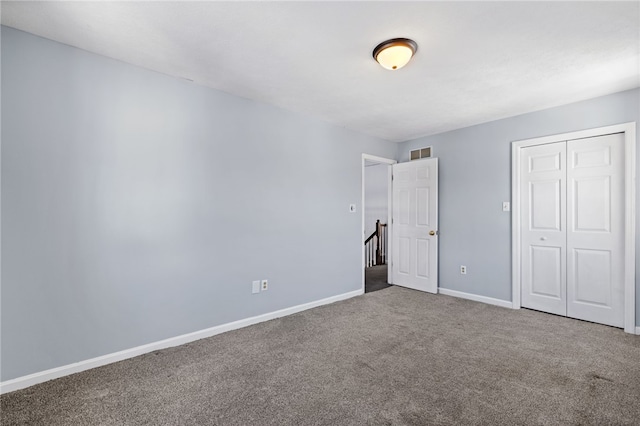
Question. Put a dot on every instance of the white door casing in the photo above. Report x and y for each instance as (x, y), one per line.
(389, 162)
(600, 223)
(414, 252)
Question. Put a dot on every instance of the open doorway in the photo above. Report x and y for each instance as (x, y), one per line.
(376, 219)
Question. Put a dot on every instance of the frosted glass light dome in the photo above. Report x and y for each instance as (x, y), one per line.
(395, 53)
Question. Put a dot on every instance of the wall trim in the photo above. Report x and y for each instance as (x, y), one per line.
(638, 330)
(65, 370)
(629, 130)
(475, 297)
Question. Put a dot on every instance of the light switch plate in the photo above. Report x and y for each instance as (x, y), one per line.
(506, 206)
(255, 287)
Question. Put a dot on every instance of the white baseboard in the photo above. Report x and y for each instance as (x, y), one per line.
(638, 330)
(65, 370)
(475, 297)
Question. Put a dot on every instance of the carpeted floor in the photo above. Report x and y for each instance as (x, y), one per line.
(375, 278)
(392, 357)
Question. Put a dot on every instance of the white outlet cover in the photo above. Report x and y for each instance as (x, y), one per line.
(352, 208)
(506, 206)
(265, 285)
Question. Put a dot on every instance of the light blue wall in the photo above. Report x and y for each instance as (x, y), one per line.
(137, 207)
(475, 176)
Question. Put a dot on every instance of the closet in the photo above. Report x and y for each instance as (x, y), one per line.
(572, 228)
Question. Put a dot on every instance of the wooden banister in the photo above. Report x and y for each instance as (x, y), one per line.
(376, 246)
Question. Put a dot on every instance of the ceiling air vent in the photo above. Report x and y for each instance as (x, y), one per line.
(417, 154)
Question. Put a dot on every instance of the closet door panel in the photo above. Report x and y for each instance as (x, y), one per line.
(543, 195)
(595, 229)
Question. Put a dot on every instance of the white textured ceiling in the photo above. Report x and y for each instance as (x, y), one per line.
(476, 61)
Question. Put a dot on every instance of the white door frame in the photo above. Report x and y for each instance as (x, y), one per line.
(381, 160)
(629, 130)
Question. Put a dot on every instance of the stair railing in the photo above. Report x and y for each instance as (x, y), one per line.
(375, 246)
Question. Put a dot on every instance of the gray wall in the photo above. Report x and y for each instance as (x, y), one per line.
(475, 176)
(137, 207)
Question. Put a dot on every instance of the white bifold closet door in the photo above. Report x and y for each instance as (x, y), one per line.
(573, 228)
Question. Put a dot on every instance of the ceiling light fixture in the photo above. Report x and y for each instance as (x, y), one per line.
(395, 53)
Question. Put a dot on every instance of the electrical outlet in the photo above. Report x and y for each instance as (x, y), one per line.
(265, 285)
(255, 287)
(463, 270)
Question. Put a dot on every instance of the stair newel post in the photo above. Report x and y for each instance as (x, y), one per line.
(378, 241)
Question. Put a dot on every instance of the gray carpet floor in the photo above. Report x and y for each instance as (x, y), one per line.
(392, 357)
(375, 278)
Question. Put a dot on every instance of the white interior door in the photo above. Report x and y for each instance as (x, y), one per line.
(572, 218)
(595, 229)
(543, 232)
(414, 255)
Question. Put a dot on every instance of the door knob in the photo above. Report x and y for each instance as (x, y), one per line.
(432, 232)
